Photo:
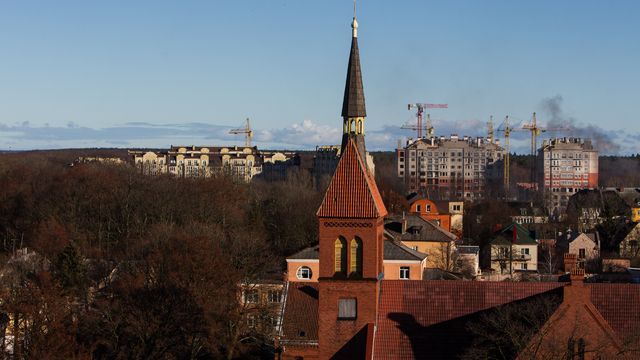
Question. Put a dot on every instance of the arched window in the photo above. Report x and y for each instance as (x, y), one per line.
(356, 256)
(341, 255)
(304, 273)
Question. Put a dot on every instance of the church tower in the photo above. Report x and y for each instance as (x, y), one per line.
(351, 239)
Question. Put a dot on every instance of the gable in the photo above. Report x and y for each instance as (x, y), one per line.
(352, 192)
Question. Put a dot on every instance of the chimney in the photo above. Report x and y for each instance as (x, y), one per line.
(570, 262)
(498, 142)
(577, 277)
(465, 138)
(454, 136)
(399, 144)
(404, 226)
(515, 234)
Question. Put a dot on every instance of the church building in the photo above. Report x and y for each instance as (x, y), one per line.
(353, 312)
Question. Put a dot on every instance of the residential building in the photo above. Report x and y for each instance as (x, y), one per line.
(586, 246)
(241, 162)
(275, 164)
(424, 236)
(460, 168)
(589, 206)
(565, 166)
(628, 240)
(428, 210)
(455, 208)
(514, 249)
(528, 213)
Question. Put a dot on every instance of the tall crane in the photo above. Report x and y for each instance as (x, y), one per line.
(247, 131)
(535, 131)
(418, 126)
(490, 128)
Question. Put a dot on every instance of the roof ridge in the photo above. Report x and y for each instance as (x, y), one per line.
(352, 189)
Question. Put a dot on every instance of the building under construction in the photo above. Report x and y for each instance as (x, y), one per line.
(454, 168)
(566, 166)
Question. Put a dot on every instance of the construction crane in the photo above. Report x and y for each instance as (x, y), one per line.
(428, 128)
(535, 131)
(247, 131)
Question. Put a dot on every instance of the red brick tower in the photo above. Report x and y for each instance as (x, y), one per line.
(351, 239)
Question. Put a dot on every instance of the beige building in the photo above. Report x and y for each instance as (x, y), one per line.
(566, 166)
(456, 167)
(241, 162)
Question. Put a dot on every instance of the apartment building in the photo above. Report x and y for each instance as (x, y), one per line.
(566, 166)
(197, 161)
(456, 167)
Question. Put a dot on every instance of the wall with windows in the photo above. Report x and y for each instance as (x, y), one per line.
(302, 270)
(396, 269)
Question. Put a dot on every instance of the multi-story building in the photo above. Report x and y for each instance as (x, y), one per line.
(195, 161)
(241, 162)
(451, 168)
(566, 166)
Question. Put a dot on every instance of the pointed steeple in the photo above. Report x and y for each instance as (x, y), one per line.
(353, 107)
(353, 104)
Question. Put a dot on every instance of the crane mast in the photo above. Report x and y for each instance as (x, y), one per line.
(418, 127)
(247, 131)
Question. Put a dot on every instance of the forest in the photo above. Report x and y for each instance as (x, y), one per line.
(114, 264)
(122, 265)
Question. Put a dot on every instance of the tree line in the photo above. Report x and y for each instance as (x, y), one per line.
(123, 265)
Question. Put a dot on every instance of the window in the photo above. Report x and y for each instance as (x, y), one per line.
(273, 296)
(523, 266)
(428, 208)
(581, 253)
(418, 208)
(251, 296)
(456, 207)
(347, 309)
(356, 256)
(416, 248)
(304, 273)
(404, 272)
(341, 255)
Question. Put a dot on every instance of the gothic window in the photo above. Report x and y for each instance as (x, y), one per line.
(356, 256)
(341, 255)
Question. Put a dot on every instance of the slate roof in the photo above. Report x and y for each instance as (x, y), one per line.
(426, 230)
(353, 192)
(392, 251)
(569, 236)
(300, 314)
(353, 102)
(397, 251)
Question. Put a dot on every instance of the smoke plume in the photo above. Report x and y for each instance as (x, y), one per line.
(552, 107)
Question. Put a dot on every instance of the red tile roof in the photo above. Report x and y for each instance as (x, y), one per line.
(353, 192)
(300, 315)
(619, 305)
(425, 319)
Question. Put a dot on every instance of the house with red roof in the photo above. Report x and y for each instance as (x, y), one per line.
(353, 311)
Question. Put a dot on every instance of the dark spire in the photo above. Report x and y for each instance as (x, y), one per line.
(353, 103)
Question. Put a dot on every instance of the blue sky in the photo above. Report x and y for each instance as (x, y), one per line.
(133, 74)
